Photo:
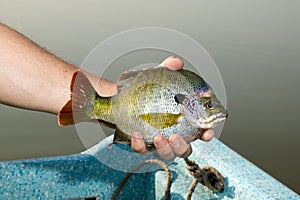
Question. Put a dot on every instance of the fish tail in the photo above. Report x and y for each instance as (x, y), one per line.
(82, 101)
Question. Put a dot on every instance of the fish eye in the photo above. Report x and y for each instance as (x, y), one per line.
(209, 105)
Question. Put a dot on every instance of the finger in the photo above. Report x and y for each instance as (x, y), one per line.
(137, 143)
(163, 148)
(178, 145)
(172, 63)
(208, 135)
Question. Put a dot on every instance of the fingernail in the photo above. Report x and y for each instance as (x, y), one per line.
(175, 142)
(160, 141)
(208, 135)
(136, 136)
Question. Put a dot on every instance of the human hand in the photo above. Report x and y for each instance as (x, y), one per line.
(175, 145)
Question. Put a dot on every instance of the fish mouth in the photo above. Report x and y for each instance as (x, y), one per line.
(212, 121)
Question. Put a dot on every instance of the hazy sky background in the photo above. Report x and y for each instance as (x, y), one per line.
(255, 44)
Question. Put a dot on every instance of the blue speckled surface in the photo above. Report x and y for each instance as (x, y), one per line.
(243, 179)
(82, 175)
(63, 177)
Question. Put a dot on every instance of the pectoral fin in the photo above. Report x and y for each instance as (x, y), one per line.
(161, 120)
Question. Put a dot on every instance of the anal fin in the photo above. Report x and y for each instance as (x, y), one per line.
(121, 137)
(105, 123)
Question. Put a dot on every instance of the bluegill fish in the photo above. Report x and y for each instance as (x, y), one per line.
(153, 101)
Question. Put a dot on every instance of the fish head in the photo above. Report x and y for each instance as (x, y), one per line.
(203, 110)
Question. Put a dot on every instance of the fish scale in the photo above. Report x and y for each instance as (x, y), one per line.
(153, 91)
(153, 101)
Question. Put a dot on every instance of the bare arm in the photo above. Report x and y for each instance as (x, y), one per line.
(33, 78)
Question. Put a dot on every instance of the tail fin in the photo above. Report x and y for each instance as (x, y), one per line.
(82, 101)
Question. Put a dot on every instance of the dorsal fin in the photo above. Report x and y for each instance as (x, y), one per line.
(126, 77)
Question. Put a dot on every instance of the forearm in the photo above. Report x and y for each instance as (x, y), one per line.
(33, 78)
